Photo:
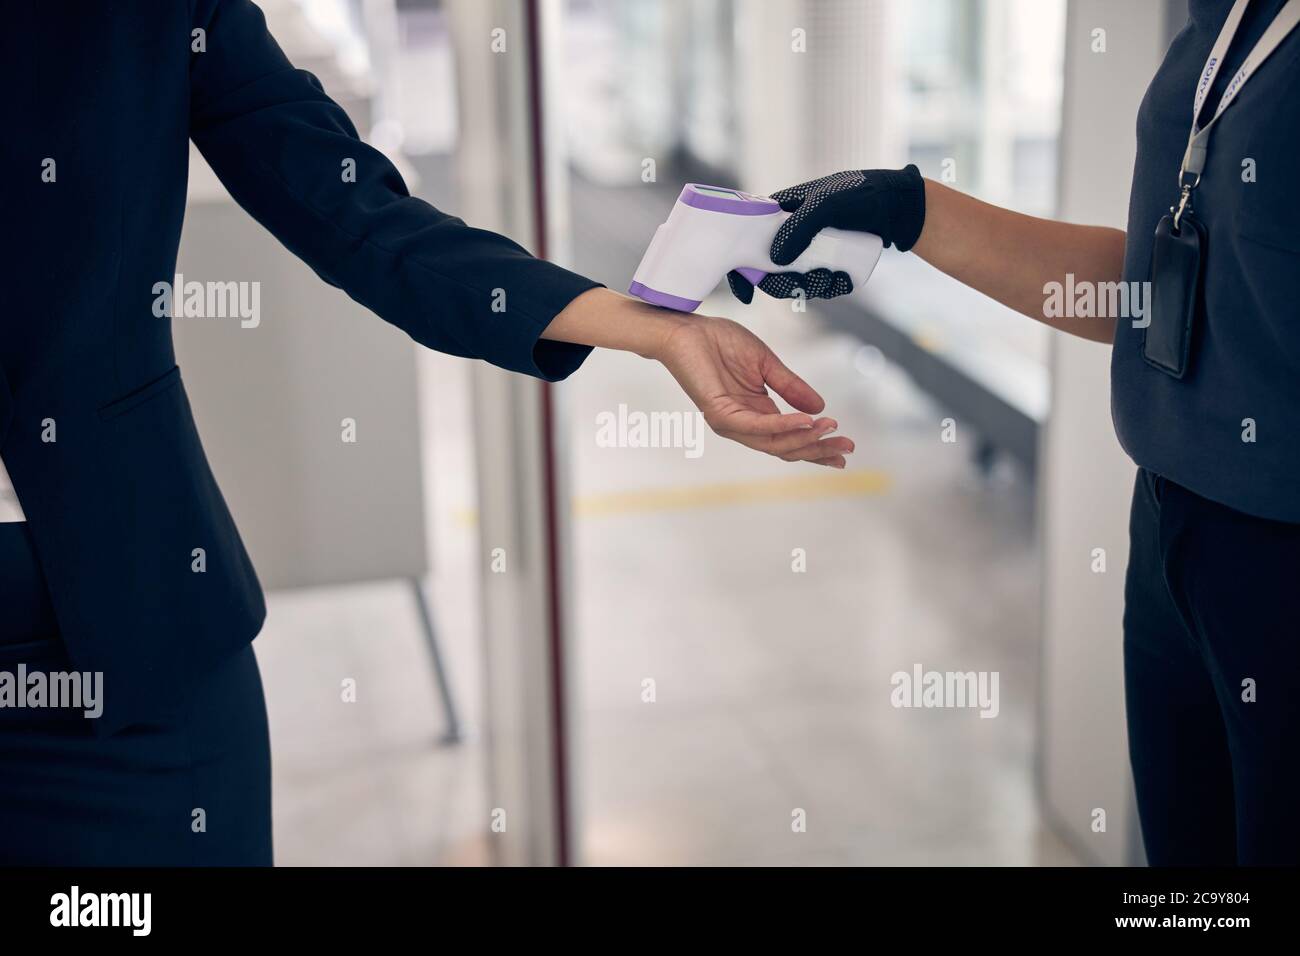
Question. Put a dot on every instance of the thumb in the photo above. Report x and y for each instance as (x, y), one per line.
(799, 230)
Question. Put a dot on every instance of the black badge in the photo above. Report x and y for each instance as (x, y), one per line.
(1177, 258)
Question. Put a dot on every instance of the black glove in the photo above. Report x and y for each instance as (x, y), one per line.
(888, 202)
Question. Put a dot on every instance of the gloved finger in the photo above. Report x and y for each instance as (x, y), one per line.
(817, 284)
(741, 287)
(790, 198)
(808, 219)
(824, 284)
(782, 285)
(840, 285)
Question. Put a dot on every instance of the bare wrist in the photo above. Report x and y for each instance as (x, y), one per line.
(651, 327)
(606, 319)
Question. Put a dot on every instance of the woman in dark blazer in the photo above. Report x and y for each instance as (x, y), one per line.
(128, 565)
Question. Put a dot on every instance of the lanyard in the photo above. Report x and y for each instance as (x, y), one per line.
(1198, 140)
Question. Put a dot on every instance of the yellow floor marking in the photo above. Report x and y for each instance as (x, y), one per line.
(836, 484)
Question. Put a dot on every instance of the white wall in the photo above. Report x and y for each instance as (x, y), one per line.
(1086, 480)
(270, 400)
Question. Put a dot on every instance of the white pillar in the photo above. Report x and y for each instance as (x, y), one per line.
(1085, 479)
(525, 667)
(815, 80)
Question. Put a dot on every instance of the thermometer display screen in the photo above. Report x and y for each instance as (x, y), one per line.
(723, 193)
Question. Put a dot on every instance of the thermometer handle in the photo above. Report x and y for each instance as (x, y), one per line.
(840, 250)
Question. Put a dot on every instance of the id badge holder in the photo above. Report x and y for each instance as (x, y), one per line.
(1177, 259)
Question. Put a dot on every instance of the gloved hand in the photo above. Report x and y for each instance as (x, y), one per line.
(888, 202)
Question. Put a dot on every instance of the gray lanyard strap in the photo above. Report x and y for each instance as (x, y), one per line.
(1198, 140)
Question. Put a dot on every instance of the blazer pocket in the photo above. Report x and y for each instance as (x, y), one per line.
(141, 395)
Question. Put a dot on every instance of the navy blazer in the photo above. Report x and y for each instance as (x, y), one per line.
(95, 428)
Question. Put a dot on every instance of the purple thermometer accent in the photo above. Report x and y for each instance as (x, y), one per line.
(721, 199)
(755, 276)
(655, 297)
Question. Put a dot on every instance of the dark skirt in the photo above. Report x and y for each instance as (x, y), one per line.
(192, 787)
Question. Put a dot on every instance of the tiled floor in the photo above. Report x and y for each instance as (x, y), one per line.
(772, 687)
(370, 782)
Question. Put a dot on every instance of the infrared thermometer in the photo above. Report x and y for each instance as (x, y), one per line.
(712, 230)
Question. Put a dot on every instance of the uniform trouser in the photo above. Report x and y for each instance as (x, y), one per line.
(1212, 679)
(191, 787)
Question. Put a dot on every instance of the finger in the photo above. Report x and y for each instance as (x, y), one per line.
(796, 392)
(798, 231)
(835, 461)
(790, 198)
(828, 448)
(817, 284)
(800, 437)
(782, 285)
(824, 284)
(816, 451)
(743, 422)
(741, 287)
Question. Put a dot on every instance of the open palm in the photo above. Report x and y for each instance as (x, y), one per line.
(727, 371)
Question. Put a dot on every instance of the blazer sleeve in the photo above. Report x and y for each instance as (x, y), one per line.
(284, 150)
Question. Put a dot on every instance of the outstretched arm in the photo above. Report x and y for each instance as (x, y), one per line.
(1006, 255)
(1011, 257)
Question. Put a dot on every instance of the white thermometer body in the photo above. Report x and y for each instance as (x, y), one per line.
(712, 230)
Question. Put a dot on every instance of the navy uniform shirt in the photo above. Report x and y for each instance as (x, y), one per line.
(1244, 376)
